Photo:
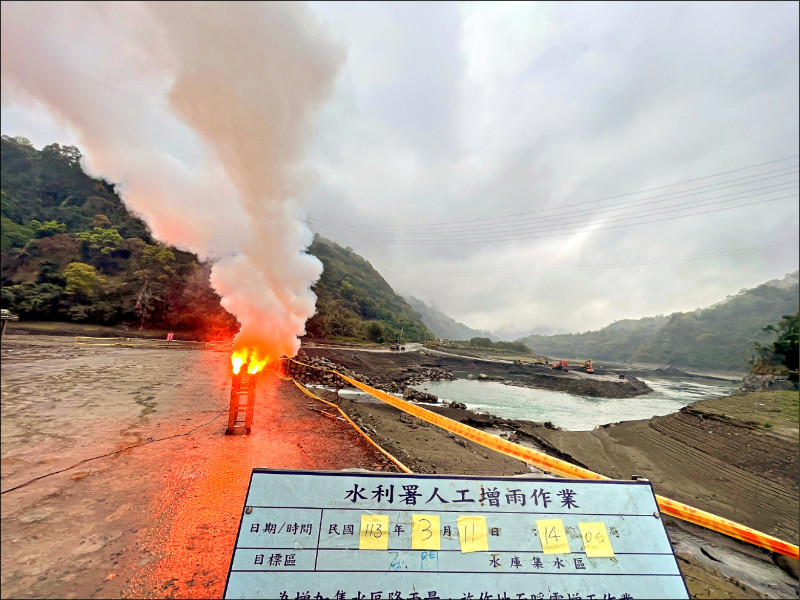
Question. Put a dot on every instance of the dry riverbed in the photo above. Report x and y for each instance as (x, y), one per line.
(153, 509)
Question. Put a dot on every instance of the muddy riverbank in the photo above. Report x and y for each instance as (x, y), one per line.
(117, 477)
(392, 370)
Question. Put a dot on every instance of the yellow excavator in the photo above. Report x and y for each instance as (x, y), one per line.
(587, 364)
(542, 360)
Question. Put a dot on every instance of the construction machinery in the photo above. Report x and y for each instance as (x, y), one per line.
(518, 362)
(397, 346)
(6, 317)
(587, 364)
(542, 360)
(562, 365)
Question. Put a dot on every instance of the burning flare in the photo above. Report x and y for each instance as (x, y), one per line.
(249, 357)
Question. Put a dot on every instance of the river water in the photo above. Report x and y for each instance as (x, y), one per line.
(572, 412)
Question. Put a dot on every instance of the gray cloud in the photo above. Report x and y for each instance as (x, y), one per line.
(558, 105)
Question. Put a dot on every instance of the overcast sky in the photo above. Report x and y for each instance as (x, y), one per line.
(493, 159)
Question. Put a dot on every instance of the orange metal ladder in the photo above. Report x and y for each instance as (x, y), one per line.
(243, 385)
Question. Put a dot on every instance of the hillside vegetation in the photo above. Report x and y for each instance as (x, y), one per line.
(71, 251)
(722, 336)
(355, 302)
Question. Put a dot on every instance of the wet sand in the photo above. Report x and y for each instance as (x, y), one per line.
(157, 520)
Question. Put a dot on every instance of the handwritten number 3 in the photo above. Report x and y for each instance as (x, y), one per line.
(428, 529)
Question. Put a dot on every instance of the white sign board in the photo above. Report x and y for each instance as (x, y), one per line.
(343, 535)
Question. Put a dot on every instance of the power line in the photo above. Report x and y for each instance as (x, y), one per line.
(563, 233)
(597, 267)
(564, 210)
(616, 196)
(564, 219)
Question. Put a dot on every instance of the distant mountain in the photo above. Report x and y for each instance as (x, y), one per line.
(718, 337)
(515, 332)
(446, 327)
(355, 302)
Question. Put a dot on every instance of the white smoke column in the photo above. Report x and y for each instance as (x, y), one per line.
(235, 83)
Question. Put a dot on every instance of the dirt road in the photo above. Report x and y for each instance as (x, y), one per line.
(157, 520)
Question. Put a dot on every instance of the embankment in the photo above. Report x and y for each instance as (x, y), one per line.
(392, 371)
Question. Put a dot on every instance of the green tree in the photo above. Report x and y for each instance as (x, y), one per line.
(68, 154)
(7, 297)
(785, 349)
(377, 332)
(102, 241)
(13, 235)
(83, 281)
(48, 228)
(49, 273)
(155, 269)
(33, 300)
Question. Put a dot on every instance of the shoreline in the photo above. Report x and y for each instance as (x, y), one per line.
(735, 456)
(394, 371)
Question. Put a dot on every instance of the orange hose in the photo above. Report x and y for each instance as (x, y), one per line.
(400, 465)
(561, 467)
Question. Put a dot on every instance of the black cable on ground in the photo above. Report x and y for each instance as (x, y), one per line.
(85, 460)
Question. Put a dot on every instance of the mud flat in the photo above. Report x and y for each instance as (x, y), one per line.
(117, 477)
(390, 370)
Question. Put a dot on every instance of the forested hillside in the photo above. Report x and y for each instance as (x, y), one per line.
(721, 336)
(354, 301)
(443, 326)
(71, 251)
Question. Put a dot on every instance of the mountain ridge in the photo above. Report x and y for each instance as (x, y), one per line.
(720, 336)
(443, 326)
(355, 302)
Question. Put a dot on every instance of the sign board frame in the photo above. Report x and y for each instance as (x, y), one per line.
(364, 534)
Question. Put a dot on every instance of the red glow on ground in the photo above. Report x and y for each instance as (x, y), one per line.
(197, 514)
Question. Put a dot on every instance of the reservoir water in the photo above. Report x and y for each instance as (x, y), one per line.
(573, 412)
